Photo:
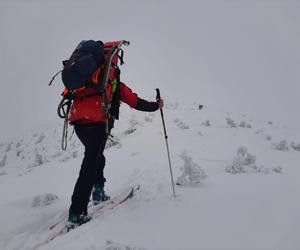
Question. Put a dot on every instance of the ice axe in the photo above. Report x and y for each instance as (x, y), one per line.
(158, 98)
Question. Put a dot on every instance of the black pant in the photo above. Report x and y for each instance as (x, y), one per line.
(93, 137)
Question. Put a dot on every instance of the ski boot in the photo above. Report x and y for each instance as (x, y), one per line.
(75, 220)
(98, 194)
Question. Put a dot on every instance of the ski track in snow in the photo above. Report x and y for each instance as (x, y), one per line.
(215, 207)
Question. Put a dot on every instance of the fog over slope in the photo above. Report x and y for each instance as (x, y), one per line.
(237, 56)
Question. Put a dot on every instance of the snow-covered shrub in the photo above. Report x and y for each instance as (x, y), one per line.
(206, 123)
(248, 159)
(111, 142)
(3, 162)
(133, 125)
(40, 139)
(149, 118)
(19, 152)
(282, 146)
(277, 169)
(242, 124)
(192, 173)
(8, 148)
(129, 131)
(244, 162)
(295, 146)
(200, 133)
(44, 200)
(133, 122)
(230, 122)
(39, 160)
(268, 137)
(75, 154)
(110, 245)
(183, 125)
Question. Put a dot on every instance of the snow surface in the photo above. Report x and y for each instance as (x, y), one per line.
(239, 60)
(225, 210)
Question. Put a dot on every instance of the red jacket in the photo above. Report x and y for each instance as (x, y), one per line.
(89, 110)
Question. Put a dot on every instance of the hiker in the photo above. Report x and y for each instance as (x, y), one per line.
(90, 124)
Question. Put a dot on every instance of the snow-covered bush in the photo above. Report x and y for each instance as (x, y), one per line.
(40, 139)
(149, 118)
(268, 137)
(192, 173)
(44, 200)
(206, 123)
(244, 162)
(9, 146)
(230, 122)
(111, 142)
(133, 122)
(277, 169)
(259, 131)
(282, 146)
(295, 146)
(242, 124)
(39, 160)
(3, 162)
(110, 245)
(19, 152)
(129, 131)
(183, 125)
(133, 125)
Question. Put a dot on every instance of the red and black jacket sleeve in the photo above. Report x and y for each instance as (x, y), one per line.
(135, 102)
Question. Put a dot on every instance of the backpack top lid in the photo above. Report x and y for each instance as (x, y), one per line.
(92, 47)
(83, 62)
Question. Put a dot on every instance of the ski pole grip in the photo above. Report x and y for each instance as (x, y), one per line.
(158, 98)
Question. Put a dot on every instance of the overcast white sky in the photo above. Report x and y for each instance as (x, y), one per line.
(238, 55)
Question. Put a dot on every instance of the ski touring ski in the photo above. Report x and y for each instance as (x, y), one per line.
(61, 227)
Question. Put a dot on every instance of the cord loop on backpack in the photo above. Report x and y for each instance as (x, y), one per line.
(54, 77)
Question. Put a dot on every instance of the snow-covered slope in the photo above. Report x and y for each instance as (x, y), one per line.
(239, 185)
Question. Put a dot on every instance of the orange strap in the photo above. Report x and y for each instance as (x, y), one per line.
(95, 76)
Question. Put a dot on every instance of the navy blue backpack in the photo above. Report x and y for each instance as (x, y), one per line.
(79, 68)
(83, 62)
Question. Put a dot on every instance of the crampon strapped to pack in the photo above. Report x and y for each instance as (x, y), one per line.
(92, 65)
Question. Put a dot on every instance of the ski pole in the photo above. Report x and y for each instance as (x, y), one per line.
(158, 98)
